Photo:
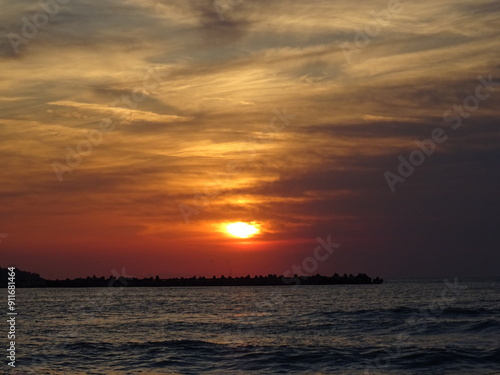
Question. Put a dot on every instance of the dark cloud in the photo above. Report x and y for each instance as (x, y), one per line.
(221, 22)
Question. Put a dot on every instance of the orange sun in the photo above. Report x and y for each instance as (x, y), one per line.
(242, 230)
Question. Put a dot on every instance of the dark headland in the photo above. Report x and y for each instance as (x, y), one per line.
(33, 280)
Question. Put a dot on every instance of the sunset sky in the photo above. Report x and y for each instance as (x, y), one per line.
(133, 131)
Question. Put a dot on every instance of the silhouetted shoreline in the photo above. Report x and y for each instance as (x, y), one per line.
(33, 280)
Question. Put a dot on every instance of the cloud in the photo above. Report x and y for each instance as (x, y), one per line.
(122, 113)
(220, 83)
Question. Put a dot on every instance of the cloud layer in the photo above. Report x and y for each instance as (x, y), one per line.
(286, 113)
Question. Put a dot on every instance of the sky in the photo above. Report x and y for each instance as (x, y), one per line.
(356, 136)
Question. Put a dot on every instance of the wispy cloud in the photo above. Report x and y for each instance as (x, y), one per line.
(122, 113)
(217, 84)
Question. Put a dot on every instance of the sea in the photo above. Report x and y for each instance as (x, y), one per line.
(438, 326)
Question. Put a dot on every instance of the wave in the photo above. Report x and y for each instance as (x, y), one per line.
(488, 325)
(201, 356)
(435, 357)
(178, 344)
(404, 310)
(469, 311)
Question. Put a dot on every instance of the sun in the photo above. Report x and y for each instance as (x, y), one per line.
(242, 230)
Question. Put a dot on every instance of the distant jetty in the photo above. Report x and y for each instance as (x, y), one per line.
(33, 280)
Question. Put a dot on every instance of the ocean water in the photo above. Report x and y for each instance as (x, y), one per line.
(399, 327)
